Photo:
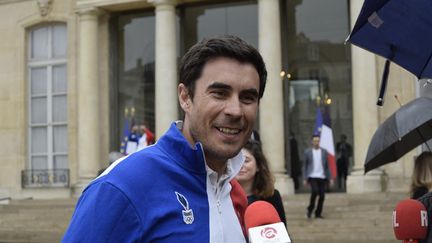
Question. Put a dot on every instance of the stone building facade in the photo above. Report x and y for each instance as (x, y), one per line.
(70, 69)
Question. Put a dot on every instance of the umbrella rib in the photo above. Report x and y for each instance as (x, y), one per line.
(424, 140)
(424, 67)
(427, 145)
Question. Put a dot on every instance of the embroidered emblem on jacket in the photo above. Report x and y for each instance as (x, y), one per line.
(188, 216)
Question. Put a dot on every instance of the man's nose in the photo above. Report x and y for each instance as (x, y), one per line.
(233, 107)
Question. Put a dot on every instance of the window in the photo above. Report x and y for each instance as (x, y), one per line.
(133, 86)
(47, 97)
(238, 18)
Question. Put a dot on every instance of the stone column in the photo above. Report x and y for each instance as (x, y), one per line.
(166, 102)
(365, 113)
(271, 115)
(88, 99)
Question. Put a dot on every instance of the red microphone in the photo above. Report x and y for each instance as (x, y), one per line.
(410, 221)
(264, 224)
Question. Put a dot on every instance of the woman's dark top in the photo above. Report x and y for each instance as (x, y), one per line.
(419, 191)
(426, 199)
(275, 200)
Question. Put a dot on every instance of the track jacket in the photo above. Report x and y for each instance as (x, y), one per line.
(163, 193)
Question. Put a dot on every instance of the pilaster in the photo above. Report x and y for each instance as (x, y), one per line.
(365, 113)
(166, 65)
(88, 98)
(271, 105)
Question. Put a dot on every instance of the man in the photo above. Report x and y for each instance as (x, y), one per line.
(344, 153)
(295, 161)
(178, 190)
(316, 173)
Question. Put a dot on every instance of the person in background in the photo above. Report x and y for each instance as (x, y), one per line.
(421, 187)
(180, 189)
(316, 172)
(343, 153)
(255, 136)
(421, 180)
(295, 161)
(112, 157)
(133, 139)
(146, 137)
(256, 179)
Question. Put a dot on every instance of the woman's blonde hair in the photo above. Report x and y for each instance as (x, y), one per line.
(422, 173)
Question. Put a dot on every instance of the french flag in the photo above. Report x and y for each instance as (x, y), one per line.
(323, 127)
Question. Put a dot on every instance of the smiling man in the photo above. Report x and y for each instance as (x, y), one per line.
(181, 189)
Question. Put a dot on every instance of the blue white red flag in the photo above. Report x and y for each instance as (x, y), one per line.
(327, 142)
(323, 129)
(318, 122)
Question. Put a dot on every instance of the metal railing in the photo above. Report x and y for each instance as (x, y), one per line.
(45, 178)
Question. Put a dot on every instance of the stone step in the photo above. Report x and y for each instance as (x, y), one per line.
(349, 219)
(35, 221)
(28, 236)
(342, 198)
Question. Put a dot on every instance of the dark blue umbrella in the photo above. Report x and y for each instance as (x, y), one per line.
(399, 30)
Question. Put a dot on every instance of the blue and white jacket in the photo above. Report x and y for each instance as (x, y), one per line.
(163, 193)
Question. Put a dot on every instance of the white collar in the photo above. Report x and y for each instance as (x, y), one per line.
(233, 167)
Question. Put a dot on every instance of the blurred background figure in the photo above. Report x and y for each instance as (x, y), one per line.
(112, 157)
(421, 181)
(316, 174)
(256, 137)
(146, 137)
(133, 139)
(343, 153)
(256, 179)
(296, 164)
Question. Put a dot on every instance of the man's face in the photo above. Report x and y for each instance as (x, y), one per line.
(223, 110)
(315, 142)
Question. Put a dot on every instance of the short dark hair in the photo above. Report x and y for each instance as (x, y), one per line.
(315, 135)
(229, 46)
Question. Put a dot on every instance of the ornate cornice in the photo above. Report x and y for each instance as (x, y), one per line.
(92, 11)
(163, 2)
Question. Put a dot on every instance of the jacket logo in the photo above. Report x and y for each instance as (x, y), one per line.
(188, 216)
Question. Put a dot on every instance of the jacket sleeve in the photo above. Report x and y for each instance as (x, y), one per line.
(305, 165)
(103, 214)
(327, 166)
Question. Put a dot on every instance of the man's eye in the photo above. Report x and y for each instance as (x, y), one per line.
(218, 93)
(249, 99)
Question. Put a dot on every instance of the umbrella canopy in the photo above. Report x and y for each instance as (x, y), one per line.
(399, 30)
(408, 127)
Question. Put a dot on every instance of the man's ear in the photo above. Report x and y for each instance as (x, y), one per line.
(184, 98)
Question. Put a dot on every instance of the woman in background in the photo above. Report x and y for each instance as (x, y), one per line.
(421, 182)
(257, 180)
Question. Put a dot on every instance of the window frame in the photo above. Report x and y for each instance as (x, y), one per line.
(48, 64)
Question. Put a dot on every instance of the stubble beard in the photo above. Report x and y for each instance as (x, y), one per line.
(213, 152)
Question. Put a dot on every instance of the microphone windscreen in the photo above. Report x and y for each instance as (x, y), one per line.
(410, 220)
(260, 213)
